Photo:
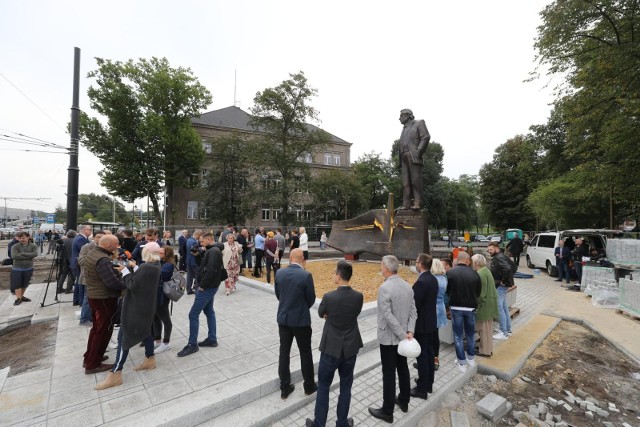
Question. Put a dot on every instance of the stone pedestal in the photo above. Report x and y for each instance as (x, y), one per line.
(403, 233)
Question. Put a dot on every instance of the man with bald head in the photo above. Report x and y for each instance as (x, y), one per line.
(104, 285)
(463, 288)
(296, 294)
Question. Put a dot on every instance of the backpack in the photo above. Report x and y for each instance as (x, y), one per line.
(174, 288)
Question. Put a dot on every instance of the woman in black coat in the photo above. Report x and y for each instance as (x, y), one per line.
(138, 310)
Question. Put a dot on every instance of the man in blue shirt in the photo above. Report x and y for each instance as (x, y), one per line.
(259, 245)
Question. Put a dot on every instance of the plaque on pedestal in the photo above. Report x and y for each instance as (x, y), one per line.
(403, 233)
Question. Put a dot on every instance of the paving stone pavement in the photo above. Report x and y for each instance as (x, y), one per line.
(245, 361)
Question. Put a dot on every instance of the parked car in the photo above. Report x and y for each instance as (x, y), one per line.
(495, 238)
(540, 253)
(461, 239)
(480, 238)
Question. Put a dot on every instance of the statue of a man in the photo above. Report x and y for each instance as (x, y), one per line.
(413, 143)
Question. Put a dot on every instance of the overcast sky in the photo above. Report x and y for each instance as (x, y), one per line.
(461, 68)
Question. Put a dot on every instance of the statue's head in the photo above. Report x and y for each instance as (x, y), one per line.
(406, 115)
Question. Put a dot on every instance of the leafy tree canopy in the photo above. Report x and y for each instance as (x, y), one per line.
(282, 114)
(148, 142)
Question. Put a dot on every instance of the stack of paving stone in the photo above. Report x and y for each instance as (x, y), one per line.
(547, 414)
(592, 274)
(493, 407)
(624, 251)
(630, 296)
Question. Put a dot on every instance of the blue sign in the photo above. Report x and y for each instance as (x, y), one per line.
(51, 218)
(36, 220)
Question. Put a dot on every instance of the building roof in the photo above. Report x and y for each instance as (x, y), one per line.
(235, 118)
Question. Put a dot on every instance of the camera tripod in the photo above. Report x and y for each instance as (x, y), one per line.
(54, 274)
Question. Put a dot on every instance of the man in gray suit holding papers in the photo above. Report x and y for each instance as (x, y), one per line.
(396, 321)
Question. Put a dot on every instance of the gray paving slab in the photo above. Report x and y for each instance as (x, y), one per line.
(242, 369)
(459, 419)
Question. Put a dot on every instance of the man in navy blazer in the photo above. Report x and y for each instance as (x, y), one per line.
(339, 346)
(425, 294)
(295, 291)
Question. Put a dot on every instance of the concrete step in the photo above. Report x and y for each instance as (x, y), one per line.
(272, 407)
(13, 316)
(224, 397)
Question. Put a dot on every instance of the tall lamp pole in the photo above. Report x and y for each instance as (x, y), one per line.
(73, 169)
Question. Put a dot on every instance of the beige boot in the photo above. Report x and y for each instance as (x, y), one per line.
(112, 380)
(149, 363)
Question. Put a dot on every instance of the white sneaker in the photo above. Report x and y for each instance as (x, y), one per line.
(156, 344)
(500, 336)
(162, 348)
(509, 334)
(471, 362)
(461, 368)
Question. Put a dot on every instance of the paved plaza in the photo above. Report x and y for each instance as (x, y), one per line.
(237, 382)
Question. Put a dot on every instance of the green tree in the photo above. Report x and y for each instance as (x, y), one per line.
(226, 192)
(595, 49)
(100, 208)
(281, 114)
(506, 182)
(377, 177)
(337, 193)
(148, 143)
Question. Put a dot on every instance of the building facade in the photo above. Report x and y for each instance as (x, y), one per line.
(225, 122)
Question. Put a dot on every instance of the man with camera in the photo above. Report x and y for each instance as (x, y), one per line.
(104, 285)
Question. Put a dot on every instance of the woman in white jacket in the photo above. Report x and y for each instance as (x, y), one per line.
(304, 242)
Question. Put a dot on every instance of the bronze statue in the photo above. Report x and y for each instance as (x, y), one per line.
(412, 145)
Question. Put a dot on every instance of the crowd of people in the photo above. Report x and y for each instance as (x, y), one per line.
(118, 282)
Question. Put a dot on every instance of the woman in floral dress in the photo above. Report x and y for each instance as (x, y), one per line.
(231, 261)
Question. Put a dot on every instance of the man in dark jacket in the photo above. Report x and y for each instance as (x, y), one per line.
(502, 273)
(339, 345)
(515, 248)
(425, 294)
(581, 250)
(182, 250)
(210, 276)
(463, 289)
(64, 258)
(296, 294)
(563, 255)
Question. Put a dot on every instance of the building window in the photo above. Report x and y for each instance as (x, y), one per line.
(192, 209)
(276, 214)
(203, 211)
(206, 145)
(336, 160)
(308, 158)
(266, 214)
(203, 178)
(327, 159)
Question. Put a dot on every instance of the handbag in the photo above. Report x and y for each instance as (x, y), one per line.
(174, 288)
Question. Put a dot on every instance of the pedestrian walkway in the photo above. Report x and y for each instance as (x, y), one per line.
(240, 376)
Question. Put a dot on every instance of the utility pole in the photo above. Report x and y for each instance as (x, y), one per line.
(73, 169)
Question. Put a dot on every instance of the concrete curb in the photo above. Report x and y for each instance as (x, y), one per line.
(591, 327)
(4, 373)
(435, 399)
(513, 372)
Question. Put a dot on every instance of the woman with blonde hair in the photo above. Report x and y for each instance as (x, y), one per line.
(138, 310)
(487, 306)
(231, 262)
(439, 271)
(163, 317)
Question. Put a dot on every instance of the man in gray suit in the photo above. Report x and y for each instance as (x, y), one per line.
(413, 143)
(396, 321)
(296, 294)
(339, 346)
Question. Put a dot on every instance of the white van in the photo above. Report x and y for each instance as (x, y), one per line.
(46, 226)
(540, 252)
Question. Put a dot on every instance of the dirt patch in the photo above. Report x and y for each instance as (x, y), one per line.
(570, 358)
(41, 269)
(366, 277)
(29, 348)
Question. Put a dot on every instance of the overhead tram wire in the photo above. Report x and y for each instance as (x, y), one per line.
(29, 139)
(33, 102)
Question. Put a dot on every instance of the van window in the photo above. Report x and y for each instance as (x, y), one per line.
(547, 242)
(534, 242)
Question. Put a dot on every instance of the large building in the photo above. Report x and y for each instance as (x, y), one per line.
(224, 122)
